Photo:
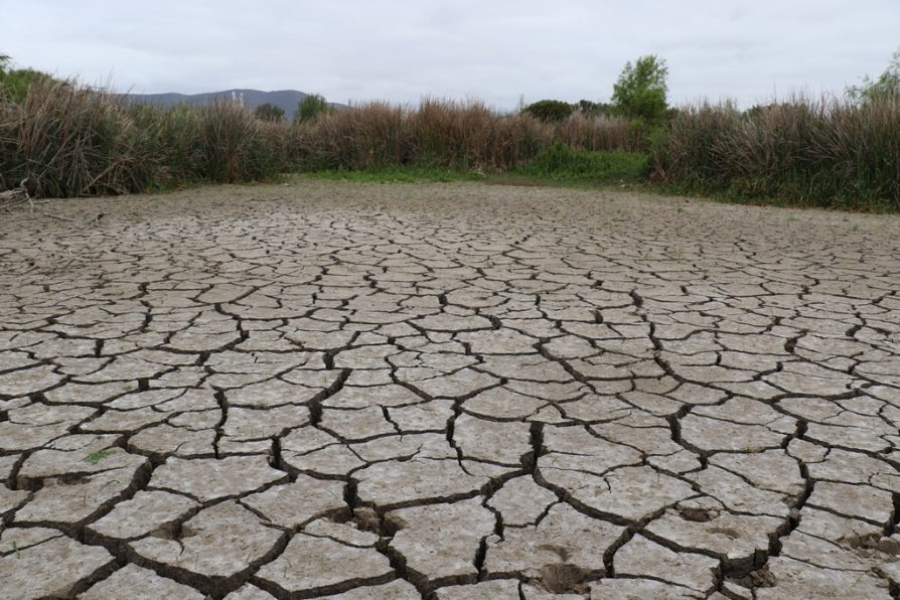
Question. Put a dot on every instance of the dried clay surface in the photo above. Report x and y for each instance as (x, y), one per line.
(450, 391)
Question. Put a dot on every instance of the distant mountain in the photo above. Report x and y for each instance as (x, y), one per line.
(287, 100)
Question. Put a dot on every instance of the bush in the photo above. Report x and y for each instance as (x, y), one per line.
(269, 112)
(310, 108)
(550, 111)
(15, 83)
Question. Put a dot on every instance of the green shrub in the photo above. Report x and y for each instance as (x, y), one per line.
(15, 83)
(269, 112)
(310, 108)
(550, 111)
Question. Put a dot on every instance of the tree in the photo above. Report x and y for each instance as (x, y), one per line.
(269, 112)
(641, 89)
(886, 87)
(593, 109)
(310, 108)
(550, 111)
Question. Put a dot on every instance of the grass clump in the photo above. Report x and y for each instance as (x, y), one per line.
(411, 174)
(562, 162)
(95, 457)
(550, 111)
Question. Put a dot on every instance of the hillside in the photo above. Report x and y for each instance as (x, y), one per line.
(287, 100)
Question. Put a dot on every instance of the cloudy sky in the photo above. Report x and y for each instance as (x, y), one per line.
(494, 50)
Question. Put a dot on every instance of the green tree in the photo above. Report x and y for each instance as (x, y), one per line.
(641, 89)
(550, 110)
(269, 112)
(886, 87)
(310, 108)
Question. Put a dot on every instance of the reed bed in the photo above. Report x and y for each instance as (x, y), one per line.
(827, 152)
(67, 140)
(72, 141)
(446, 134)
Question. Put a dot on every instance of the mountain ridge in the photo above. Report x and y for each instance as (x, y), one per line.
(287, 100)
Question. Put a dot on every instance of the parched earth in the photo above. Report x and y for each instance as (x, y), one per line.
(447, 391)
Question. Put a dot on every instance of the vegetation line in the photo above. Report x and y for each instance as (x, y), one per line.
(68, 140)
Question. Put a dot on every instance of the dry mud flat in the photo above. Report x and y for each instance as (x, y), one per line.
(448, 391)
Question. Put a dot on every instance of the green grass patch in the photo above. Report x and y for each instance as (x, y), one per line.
(396, 175)
(560, 162)
(739, 195)
(96, 457)
(520, 179)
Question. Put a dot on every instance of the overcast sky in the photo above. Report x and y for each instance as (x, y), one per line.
(494, 50)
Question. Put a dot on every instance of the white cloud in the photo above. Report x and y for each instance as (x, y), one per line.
(496, 51)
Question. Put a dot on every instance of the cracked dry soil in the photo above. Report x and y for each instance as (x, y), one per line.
(447, 391)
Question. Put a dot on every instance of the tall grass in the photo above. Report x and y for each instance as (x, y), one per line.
(368, 137)
(599, 133)
(828, 153)
(68, 141)
(72, 141)
(446, 134)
